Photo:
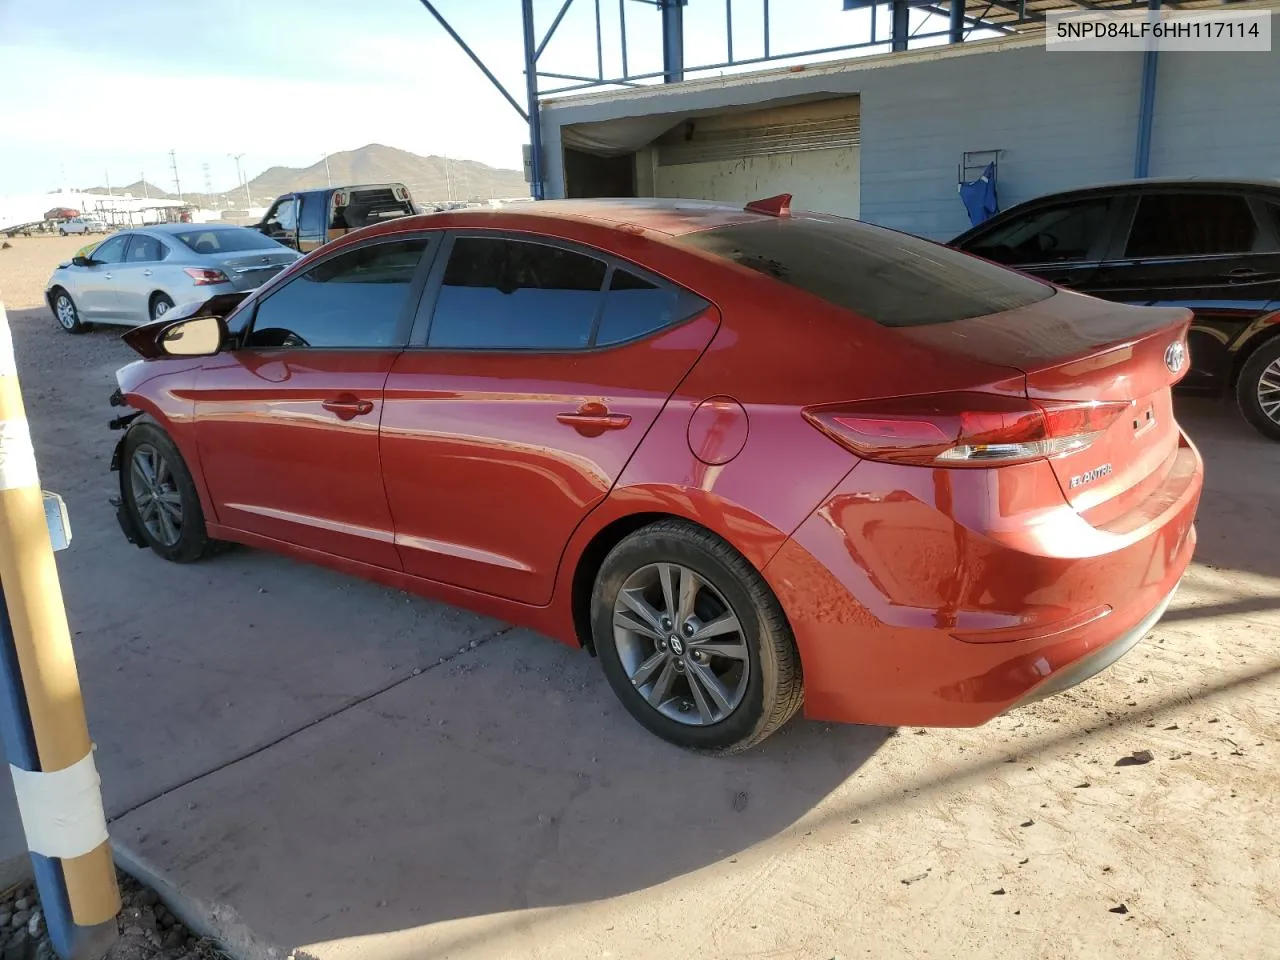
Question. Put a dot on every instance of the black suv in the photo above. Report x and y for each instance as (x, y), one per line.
(307, 219)
(1210, 245)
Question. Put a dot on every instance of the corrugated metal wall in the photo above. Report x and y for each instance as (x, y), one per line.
(1062, 119)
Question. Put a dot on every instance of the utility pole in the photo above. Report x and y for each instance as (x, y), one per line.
(146, 192)
(448, 180)
(208, 181)
(107, 173)
(173, 165)
(328, 178)
(248, 200)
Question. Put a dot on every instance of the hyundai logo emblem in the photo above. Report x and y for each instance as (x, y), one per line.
(1175, 356)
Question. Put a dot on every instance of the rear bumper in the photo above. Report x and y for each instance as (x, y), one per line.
(905, 615)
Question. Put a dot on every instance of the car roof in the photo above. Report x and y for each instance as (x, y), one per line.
(674, 218)
(182, 227)
(1164, 183)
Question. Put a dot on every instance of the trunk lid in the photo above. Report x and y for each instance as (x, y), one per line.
(250, 269)
(1071, 347)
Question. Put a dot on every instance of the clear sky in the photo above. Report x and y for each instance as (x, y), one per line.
(95, 89)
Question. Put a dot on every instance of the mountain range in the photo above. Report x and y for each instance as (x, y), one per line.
(429, 179)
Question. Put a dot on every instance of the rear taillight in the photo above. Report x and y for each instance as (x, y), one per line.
(204, 277)
(964, 429)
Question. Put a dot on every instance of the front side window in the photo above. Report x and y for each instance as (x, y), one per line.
(112, 250)
(1059, 234)
(283, 218)
(1191, 225)
(893, 278)
(354, 300)
(516, 295)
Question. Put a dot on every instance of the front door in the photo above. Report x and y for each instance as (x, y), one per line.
(287, 424)
(1215, 253)
(281, 221)
(1061, 242)
(136, 278)
(97, 293)
(516, 411)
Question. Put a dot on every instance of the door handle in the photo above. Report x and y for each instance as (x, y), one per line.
(346, 406)
(106, 276)
(146, 273)
(592, 419)
(1245, 273)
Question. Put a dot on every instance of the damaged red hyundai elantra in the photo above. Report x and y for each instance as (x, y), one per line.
(752, 459)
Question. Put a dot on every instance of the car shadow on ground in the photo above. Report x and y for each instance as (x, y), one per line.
(506, 779)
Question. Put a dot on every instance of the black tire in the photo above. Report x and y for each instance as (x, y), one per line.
(192, 540)
(1265, 361)
(158, 301)
(67, 313)
(61, 232)
(774, 686)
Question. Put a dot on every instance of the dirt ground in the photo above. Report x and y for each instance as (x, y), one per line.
(309, 762)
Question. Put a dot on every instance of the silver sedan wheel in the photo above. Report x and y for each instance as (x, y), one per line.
(65, 311)
(156, 495)
(160, 309)
(681, 644)
(1269, 391)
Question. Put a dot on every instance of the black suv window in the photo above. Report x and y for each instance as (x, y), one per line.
(1190, 225)
(634, 306)
(355, 299)
(892, 278)
(1057, 234)
(516, 295)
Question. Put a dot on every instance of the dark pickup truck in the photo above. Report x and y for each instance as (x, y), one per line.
(308, 219)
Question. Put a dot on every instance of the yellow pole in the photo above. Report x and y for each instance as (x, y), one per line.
(33, 595)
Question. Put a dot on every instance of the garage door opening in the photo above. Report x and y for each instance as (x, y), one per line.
(591, 175)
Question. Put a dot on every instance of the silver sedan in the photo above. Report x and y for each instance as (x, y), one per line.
(135, 276)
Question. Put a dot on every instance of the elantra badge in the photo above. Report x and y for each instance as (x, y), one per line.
(1175, 356)
(1097, 473)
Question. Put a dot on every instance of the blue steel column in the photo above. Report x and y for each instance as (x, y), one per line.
(957, 22)
(1146, 105)
(901, 24)
(672, 40)
(531, 92)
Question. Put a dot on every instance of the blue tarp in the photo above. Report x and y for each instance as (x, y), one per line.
(979, 196)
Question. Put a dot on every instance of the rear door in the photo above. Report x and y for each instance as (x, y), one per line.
(1061, 241)
(313, 216)
(287, 424)
(535, 370)
(1216, 253)
(136, 277)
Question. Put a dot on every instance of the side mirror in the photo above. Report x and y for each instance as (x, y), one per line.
(82, 262)
(197, 337)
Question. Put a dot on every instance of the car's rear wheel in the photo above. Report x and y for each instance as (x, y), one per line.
(66, 313)
(161, 304)
(161, 496)
(693, 641)
(1258, 389)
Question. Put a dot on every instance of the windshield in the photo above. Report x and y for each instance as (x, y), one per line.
(892, 278)
(226, 240)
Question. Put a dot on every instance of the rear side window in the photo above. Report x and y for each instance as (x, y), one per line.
(634, 307)
(145, 249)
(1191, 225)
(895, 279)
(352, 300)
(516, 295)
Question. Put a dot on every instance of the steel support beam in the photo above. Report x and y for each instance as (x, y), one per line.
(531, 91)
(957, 21)
(1146, 105)
(901, 25)
(475, 59)
(673, 40)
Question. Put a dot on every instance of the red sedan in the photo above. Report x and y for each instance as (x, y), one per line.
(749, 458)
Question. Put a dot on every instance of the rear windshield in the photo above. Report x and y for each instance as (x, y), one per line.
(892, 278)
(368, 206)
(226, 240)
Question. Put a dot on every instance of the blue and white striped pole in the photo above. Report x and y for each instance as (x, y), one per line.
(42, 719)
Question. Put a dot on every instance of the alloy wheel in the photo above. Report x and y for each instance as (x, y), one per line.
(156, 495)
(66, 311)
(681, 644)
(1269, 391)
